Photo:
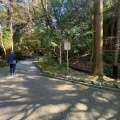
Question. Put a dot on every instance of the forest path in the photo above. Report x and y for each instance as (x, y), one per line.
(30, 96)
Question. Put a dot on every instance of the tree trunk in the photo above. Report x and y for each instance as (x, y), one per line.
(44, 6)
(10, 24)
(118, 38)
(98, 38)
(111, 39)
(60, 59)
(2, 44)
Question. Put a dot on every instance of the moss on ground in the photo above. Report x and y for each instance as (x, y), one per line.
(71, 72)
(48, 67)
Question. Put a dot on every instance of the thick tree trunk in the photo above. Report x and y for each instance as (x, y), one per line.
(10, 24)
(98, 38)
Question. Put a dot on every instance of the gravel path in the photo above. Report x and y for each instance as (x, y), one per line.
(30, 96)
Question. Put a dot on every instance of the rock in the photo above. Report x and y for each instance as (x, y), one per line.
(81, 80)
(68, 76)
(76, 78)
(60, 75)
(55, 74)
(96, 82)
(107, 84)
(119, 86)
(90, 82)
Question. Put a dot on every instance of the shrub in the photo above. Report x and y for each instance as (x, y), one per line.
(108, 57)
(19, 55)
(109, 71)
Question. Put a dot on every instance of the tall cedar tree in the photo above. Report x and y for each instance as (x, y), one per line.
(98, 38)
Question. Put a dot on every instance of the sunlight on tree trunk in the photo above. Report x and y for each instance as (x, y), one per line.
(98, 38)
(60, 60)
(1, 38)
(10, 24)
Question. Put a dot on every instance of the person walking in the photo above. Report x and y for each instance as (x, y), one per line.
(12, 60)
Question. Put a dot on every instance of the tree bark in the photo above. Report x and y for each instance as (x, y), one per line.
(10, 24)
(118, 38)
(2, 44)
(111, 39)
(98, 38)
(44, 6)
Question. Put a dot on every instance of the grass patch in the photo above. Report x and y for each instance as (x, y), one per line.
(48, 67)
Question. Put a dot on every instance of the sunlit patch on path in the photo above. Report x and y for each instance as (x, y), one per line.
(30, 96)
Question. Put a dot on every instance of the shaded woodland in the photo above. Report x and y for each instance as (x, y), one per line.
(42, 26)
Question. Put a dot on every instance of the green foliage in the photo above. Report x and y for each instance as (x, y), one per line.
(3, 16)
(46, 37)
(73, 24)
(47, 58)
(81, 38)
(108, 57)
(19, 55)
(53, 44)
(62, 66)
(110, 17)
(27, 42)
(6, 38)
(108, 71)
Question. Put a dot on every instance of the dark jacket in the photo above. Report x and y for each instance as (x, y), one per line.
(11, 58)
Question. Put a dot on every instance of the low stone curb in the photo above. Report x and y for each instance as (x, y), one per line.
(79, 80)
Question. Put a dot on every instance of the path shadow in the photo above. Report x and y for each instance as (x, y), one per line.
(29, 96)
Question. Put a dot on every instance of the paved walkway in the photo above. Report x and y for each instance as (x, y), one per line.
(29, 96)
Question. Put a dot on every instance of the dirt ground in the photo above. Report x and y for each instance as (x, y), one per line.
(81, 64)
